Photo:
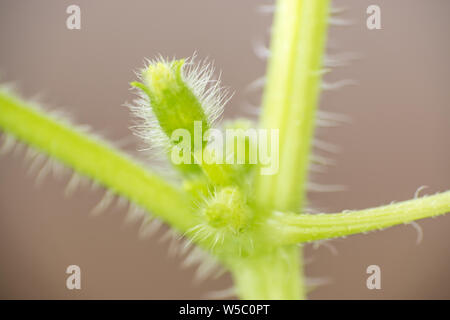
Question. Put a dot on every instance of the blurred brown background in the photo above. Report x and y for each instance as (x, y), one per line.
(396, 142)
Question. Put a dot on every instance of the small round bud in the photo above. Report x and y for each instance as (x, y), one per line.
(228, 209)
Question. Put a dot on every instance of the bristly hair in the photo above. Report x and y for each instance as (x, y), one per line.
(198, 76)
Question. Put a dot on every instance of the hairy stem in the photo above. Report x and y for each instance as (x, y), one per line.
(291, 97)
(95, 159)
(289, 102)
(272, 275)
(295, 228)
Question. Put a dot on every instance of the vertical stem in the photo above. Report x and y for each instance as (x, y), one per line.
(291, 97)
(289, 105)
(272, 274)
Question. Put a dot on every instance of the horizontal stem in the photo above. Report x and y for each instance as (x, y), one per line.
(91, 157)
(289, 228)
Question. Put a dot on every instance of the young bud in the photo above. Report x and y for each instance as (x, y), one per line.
(173, 102)
(228, 210)
(179, 103)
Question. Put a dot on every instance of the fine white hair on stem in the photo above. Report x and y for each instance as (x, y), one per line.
(121, 202)
(339, 60)
(104, 203)
(417, 193)
(325, 146)
(8, 144)
(316, 187)
(222, 294)
(419, 231)
(261, 50)
(146, 126)
(256, 84)
(266, 8)
(30, 154)
(207, 265)
(314, 283)
(325, 124)
(72, 185)
(134, 213)
(327, 119)
(326, 244)
(43, 171)
(331, 116)
(209, 91)
(337, 85)
(174, 240)
(148, 227)
(337, 10)
(321, 160)
(314, 167)
(193, 257)
(19, 149)
(251, 109)
(339, 22)
(186, 245)
(36, 163)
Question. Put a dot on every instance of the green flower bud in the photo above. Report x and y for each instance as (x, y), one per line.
(228, 210)
(172, 100)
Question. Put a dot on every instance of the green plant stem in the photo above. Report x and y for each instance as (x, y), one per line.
(291, 97)
(91, 157)
(270, 275)
(289, 105)
(295, 228)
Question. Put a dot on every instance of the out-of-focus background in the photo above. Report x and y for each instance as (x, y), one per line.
(397, 141)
